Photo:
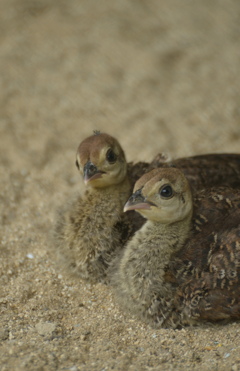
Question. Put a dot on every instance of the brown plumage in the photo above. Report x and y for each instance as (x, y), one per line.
(208, 170)
(183, 266)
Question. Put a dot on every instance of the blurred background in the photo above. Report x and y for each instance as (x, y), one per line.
(161, 76)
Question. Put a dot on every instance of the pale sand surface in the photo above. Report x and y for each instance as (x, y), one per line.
(160, 76)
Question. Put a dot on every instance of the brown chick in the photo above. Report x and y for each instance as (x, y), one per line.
(183, 266)
(93, 228)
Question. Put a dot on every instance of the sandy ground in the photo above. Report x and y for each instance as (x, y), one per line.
(160, 76)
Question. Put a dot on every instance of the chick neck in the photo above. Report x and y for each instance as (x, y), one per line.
(164, 239)
(174, 234)
(116, 192)
(142, 268)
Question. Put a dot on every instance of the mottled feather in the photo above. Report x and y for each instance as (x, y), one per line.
(208, 170)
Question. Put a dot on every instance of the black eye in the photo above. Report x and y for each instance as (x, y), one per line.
(166, 191)
(77, 164)
(111, 156)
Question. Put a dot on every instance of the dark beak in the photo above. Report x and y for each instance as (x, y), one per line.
(91, 172)
(137, 201)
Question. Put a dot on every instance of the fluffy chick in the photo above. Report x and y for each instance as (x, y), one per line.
(93, 228)
(183, 265)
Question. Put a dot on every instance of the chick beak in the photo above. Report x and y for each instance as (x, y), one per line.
(91, 172)
(137, 201)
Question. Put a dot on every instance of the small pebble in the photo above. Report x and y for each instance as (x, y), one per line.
(4, 334)
(45, 328)
(30, 256)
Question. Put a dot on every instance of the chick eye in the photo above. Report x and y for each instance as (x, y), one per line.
(166, 191)
(111, 156)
